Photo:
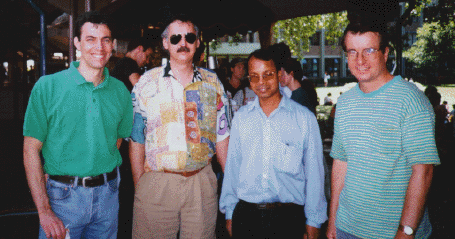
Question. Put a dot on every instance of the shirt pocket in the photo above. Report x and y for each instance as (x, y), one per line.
(289, 158)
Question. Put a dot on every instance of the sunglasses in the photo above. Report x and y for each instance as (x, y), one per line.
(266, 76)
(189, 37)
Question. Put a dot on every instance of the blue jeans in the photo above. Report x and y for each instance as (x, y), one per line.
(86, 212)
(344, 235)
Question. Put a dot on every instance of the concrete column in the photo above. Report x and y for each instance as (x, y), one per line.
(71, 32)
(88, 5)
(322, 54)
(343, 64)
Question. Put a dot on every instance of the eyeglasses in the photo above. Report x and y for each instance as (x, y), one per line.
(189, 37)
(266, 76)
(367, 52)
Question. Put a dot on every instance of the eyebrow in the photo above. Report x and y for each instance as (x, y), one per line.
(102, 38)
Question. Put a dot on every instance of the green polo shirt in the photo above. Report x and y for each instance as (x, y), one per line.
(79, 124)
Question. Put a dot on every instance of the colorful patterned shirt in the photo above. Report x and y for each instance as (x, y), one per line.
(179, 125)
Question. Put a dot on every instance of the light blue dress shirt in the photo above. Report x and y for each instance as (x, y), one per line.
(275, 159)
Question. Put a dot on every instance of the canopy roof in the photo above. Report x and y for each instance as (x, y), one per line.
(20, 22)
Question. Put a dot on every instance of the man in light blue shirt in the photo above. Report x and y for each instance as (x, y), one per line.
(274, 176)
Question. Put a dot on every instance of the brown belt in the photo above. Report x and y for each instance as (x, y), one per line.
(184, 173)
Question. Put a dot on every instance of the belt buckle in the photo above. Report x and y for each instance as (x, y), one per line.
(83, 180)
(262, 206)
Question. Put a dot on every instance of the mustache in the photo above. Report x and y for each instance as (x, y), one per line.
(183, 49)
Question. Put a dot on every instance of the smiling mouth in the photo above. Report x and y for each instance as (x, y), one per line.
(362, 69)
(261, 89)
(98, 56)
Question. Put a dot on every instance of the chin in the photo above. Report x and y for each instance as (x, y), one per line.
(362, 77)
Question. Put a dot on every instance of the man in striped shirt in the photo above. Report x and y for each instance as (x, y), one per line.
(383, 147)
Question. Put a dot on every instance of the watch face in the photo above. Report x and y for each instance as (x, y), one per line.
(408, 230)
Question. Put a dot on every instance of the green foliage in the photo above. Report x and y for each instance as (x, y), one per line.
(234, 40)
(434, 50)
(296, 32)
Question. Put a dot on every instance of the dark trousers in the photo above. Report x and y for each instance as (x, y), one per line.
(251, 221)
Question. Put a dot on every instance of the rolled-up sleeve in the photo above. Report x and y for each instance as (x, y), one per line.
(222, 121)
(139, 120)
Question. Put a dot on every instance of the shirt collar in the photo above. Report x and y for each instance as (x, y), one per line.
(285, 104)
(197, 76)
(81, 80)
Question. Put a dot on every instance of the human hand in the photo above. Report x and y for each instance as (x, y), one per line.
(331, 231)
(229, 226)
(400, 235)
(52, 225)
(311, 232)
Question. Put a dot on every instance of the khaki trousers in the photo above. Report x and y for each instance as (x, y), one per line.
(165, 203)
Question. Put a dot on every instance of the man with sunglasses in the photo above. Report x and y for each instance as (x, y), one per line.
(179, 124)
(383, 147)
(274, 177)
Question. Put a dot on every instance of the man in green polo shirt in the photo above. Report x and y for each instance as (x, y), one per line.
(75, 118)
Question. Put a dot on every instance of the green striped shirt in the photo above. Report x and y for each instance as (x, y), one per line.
(380, 135)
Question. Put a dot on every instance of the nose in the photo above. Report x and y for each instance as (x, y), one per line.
(261, 79)
(99, 44)
(360, 59)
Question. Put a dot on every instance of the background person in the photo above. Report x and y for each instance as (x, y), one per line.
(128, 69)
(291, 71)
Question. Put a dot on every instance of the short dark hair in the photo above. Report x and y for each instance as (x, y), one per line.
(280, 52)
(133, 44)
(236, 61)
(179, 17)
(293, 65)
(359, 27)
(264, 54)
(94, 17)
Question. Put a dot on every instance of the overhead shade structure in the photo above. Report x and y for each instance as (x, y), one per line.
(217, 18)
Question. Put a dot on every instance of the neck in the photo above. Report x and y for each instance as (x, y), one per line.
(268, 105)
(182, 72)
(294, 85)
(370, 86)
(235, 82)
(96, 76)
(131, 55)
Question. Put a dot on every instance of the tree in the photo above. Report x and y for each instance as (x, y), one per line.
(296, 32)
(434, 50)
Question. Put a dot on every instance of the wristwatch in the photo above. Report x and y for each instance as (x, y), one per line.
(406, 230)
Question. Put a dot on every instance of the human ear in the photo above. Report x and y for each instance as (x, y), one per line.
(77, 43)
(165, 44)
